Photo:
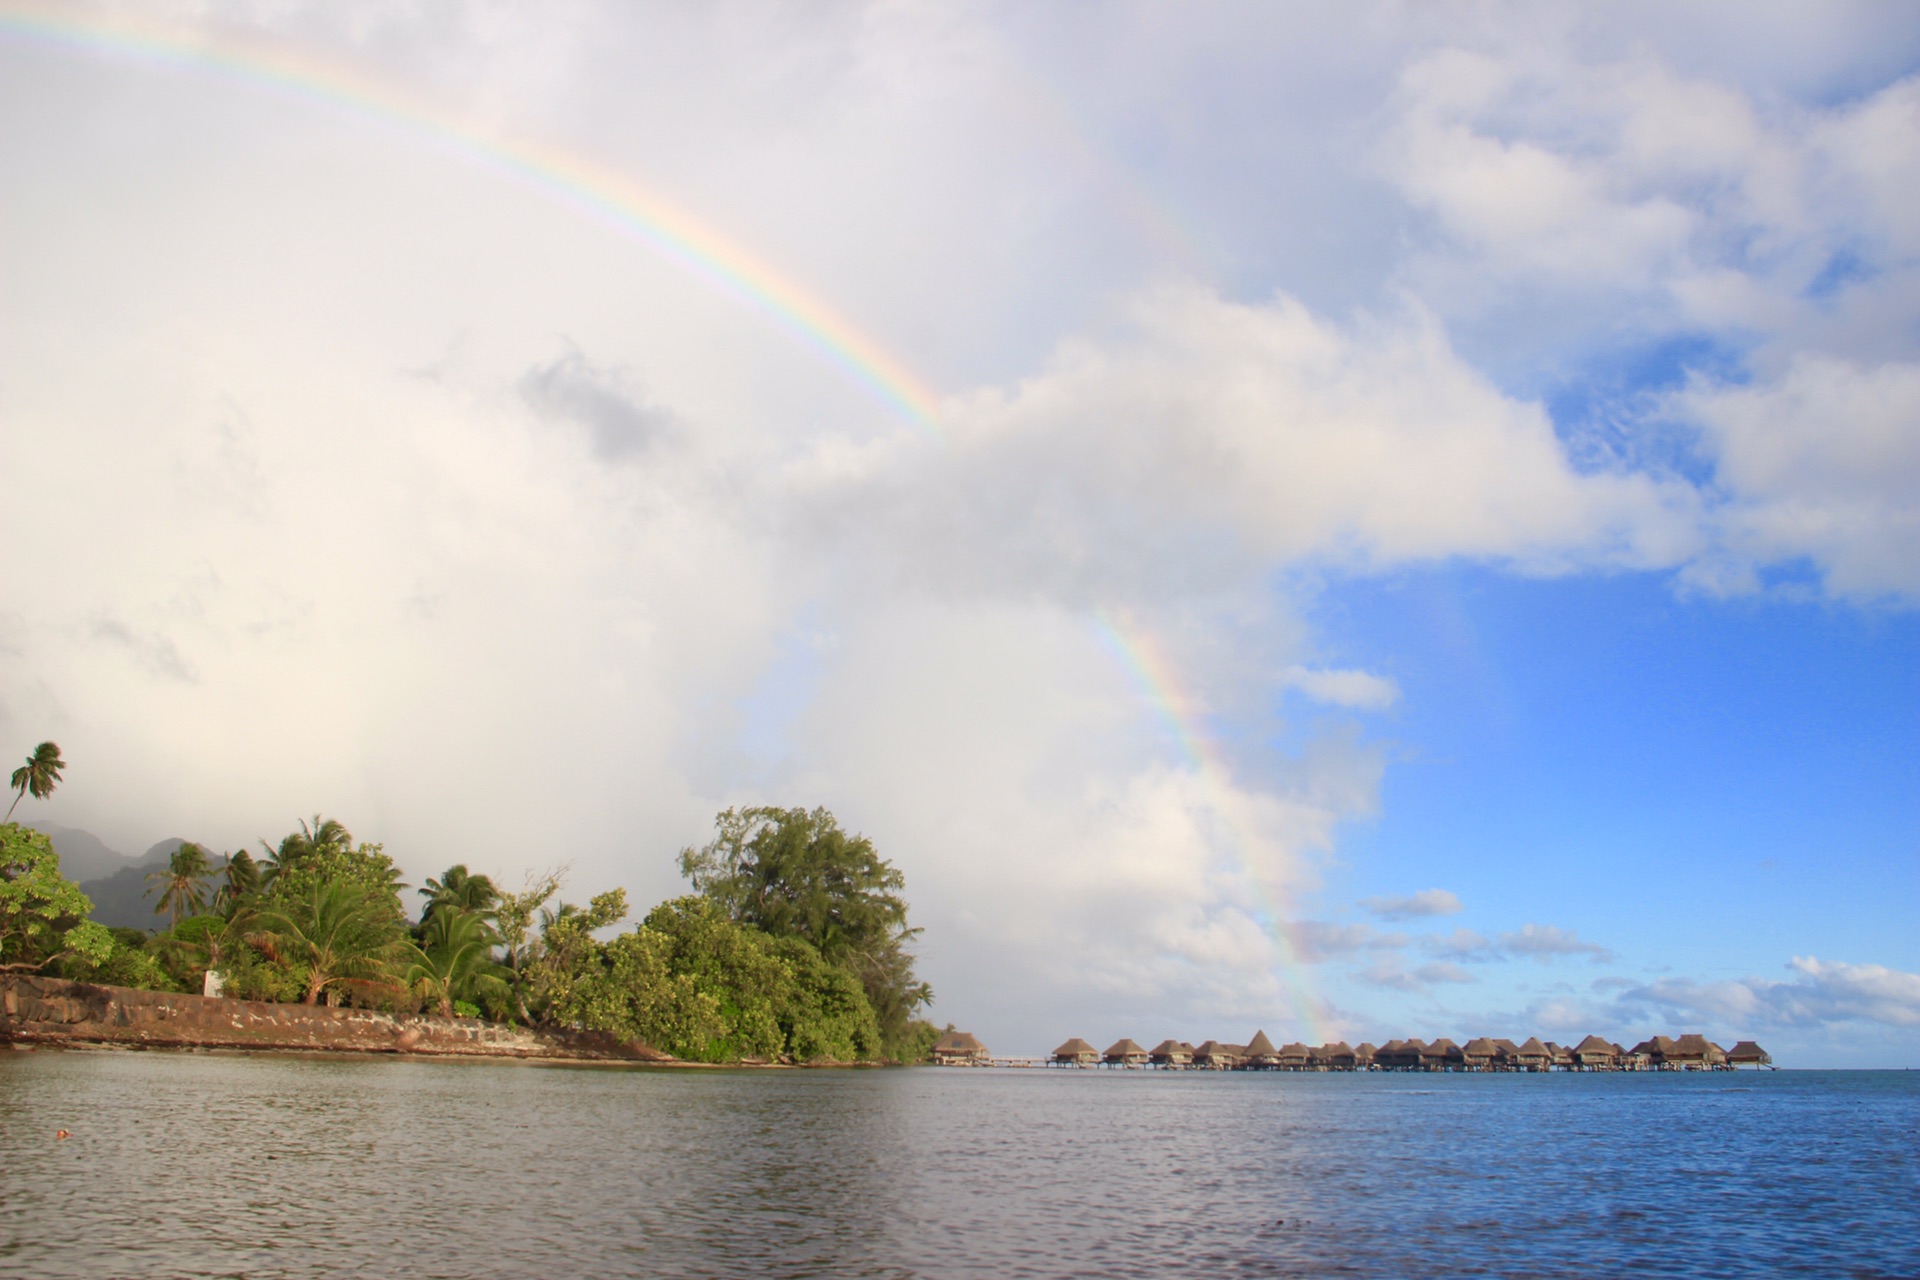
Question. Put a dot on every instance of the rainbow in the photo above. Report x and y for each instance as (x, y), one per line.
(584, 185)
(1154, 675)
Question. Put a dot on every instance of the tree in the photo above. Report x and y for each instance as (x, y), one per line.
(43, 915)
(461, 890)
(181, 890)
(37, 776)
(795, 873)
(323, 853)
(454, 960)
(339, 936)
(239, 878)
(513, 919)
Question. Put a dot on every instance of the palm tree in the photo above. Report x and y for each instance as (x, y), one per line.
(180, 884)
(455, 959)
(339, 933)
(37, 776)
(239, 877)
(461, 890)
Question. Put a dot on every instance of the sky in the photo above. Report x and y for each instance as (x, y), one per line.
(1354, 521)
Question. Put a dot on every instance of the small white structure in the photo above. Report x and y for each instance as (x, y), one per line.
(214, 984)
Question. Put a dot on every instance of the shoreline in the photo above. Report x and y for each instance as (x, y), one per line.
(55, 1013)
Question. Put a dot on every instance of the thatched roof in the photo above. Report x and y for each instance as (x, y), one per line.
(1748, 1051)
(1480, 1048)
(1296, 1051)
(1533, 1049)
(959, 1042)
(1339, 1049)
(1125, 1049)
(1075, 1048)
(1172, 1049)
(1259, 1046)
(1505, 1046)
(1594, 1046)
(1697, 1046)
(1364, 1050)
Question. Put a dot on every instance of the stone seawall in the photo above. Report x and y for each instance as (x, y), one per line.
(52, 1011)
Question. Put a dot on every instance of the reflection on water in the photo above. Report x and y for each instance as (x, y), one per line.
(200, 1165)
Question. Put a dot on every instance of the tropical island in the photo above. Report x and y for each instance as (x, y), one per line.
(793, 946)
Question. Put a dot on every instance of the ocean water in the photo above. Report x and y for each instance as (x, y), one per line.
(209, 1165)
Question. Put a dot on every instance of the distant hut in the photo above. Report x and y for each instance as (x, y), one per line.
(1076, 1053)
(1442, 1055)
(1171, 1053)
(1125, 1053)
(1697, 1053)
(1562, 1056)
(1533, 1056)
(1219, 1057)
(1338, 1056)
(1294, 1057)
(1363, 1056)
(1747, 1053)
(1399, 1055)
(1653, 1053)
(1505, 1055)
(1260, 1052)
(1479, 1054)
(959, 1048)
(1595, 1054)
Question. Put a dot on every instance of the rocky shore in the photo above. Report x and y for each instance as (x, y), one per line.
(51, 1011)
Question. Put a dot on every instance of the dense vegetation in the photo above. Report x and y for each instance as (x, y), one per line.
(794, 945)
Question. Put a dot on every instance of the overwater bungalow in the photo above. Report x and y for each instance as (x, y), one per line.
(1562, 1056)
(1747, 1053)
(1595, 1054)
(1171, 1053)
(1532, 1056)
(1651, 1054)
(1363, 1056)
(1399, 1055)
(1076, 1053)
(959, 1048)
(1697, 1053)
(1293, 1057)
(1260, 1052)
(1442, 1055)
(1219, 1057)
(1338, 1056)
(1125, 1053)
(1478, 1054)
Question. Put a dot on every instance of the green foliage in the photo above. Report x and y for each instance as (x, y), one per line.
(454, 960)
(37, 777)
(916, 1043)
(461, 890)
(124, 966)
(340, 937)
(324, 854)
(695, 984)
(188, 950)
(239, 879)
(181, 884)
(795, 873)
(825, 1015)
(43, 915)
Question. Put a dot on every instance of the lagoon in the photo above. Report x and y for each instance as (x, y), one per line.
(194, 1164)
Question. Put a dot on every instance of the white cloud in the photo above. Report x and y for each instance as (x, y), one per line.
(1825, 992)
(1824, 462)
(1208, 440)
(1316, 941)
(1427, 902)
(1545, 941)
(1359, 689)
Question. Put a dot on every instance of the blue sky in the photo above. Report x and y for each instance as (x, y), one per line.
(1416, 528)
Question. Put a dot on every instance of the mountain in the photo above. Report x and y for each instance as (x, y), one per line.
(83, 855)
(124, 899)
